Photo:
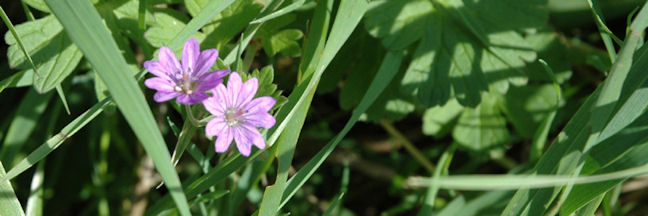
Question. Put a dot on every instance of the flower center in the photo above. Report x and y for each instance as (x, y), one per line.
(185, 83)
(234, 117)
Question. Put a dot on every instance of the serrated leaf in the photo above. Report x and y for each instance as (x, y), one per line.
(483, 127)
(284, 42)
(527, 106)
(464, 48)
(437, 121)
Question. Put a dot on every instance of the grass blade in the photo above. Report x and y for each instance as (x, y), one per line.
(86, 29)
(7, 22)
(35, 201)
(8, 201)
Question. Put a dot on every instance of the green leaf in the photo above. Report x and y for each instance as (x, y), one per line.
(227, 24)
(86, 29)
(483, 127)
(464, 48)
(38, 4)
(527, 106)
(9, 202)
(52, 52)
(165, 29)
(284, 41)
(439, 120)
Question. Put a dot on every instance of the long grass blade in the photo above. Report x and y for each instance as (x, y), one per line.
(8, 201)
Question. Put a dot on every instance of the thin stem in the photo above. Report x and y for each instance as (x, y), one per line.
(408, 145)
(191, 117)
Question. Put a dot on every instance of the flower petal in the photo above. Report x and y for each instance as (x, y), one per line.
(220, 92)
(162, 96)
(216, 127)
(194, 98)
(190, 54)
(214, 106)
(260, 105)
(234, 84)
(223, 141)
(168, 60)
(159, 84)
(254, 135)
(243, 143)
(210, 80)
(247, 91)
(205, 61)
(264, 120)
(157, 69)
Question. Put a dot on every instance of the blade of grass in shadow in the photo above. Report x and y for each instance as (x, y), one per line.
(9, 25)
(582, 132)
(386, 73)
(86, 29)
(291, 7)
(540, 136)
(25, 121)
(337, 200)
(606, 34)
(8, 201)
(285, 150)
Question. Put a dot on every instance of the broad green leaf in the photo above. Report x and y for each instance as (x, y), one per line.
(51, 50)
(439, 120)
(284, 42)
(275, 40)
(95, 41)
(9, 202)
(25, 121)
(166, 27)
(464, 47)
(483, 127)
(527, 106)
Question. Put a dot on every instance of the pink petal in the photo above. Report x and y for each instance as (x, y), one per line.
(247, 91)
(223, 141)
(194, 98)
(210, 80)
(159, 84)
(216, 127)
(233, 88)
(221, 93)
(242, 142)
(264, 120)
(213, 106)
(156, 69)
(205, 61)
(168, 60)
(162, 96)
(254, 135)
(190, 54)
(260, 105)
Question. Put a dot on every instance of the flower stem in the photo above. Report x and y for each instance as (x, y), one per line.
(408, 145)
(191, 117)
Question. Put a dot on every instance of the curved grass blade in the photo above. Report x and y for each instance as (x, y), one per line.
(20, 79)
(512, 182)
(35, 201)
(86, 29)
(291, 7)
(385, 74)
(443, 165)
(7, 22)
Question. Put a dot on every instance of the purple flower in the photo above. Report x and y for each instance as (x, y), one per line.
(188, 80)
(237, 115)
